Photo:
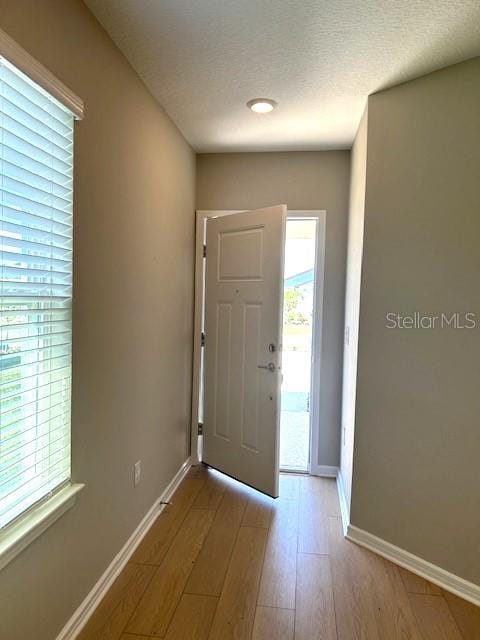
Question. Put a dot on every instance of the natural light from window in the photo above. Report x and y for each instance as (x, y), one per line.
(36, 175)
(299, 281)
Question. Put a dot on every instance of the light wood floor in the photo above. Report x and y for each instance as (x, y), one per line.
(223, 562)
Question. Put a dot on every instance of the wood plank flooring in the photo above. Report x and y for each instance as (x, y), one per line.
(223, 562)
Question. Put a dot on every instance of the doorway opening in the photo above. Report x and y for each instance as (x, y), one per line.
(297, 350)
(299, 448)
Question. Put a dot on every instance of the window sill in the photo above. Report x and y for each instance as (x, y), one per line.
(15, 538)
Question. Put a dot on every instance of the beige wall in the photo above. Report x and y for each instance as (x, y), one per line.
(356, 216)
(417, 438)
(134, 222)
(302, 180)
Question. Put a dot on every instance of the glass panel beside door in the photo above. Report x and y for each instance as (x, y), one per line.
(299, 287)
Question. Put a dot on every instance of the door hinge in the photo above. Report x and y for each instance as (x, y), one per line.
(200, 429)
(202, 340)
(204, 250)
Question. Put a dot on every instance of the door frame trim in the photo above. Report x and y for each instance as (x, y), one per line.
(200, 218)
(198, 322)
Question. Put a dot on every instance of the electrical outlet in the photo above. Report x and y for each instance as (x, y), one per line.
(137, 472)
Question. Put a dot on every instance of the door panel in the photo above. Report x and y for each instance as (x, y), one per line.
(240, 255)
(251, 356)
(243, 317)
(221, 418)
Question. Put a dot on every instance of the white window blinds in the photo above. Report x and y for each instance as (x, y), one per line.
(36, 173)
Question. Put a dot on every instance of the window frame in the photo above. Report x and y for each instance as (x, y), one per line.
(27, 526)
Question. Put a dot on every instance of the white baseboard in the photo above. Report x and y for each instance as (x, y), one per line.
(90, 603)
(344, 506)
(448, 581)
(323, 471)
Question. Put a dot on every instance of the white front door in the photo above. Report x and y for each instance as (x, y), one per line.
(243, 326)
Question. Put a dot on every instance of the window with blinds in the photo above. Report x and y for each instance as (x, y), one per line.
(36, 174)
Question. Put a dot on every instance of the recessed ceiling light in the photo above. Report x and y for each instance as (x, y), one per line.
(261, 105)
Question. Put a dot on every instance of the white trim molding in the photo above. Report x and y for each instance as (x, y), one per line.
(448, 581)
(16, 537)
(81, 616)
(198, 324)
(344, 507)
(21, 59)
(323, 471)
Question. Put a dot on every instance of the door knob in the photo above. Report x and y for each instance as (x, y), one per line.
(270, 366)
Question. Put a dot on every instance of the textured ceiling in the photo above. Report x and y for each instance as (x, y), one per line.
(319, 59)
